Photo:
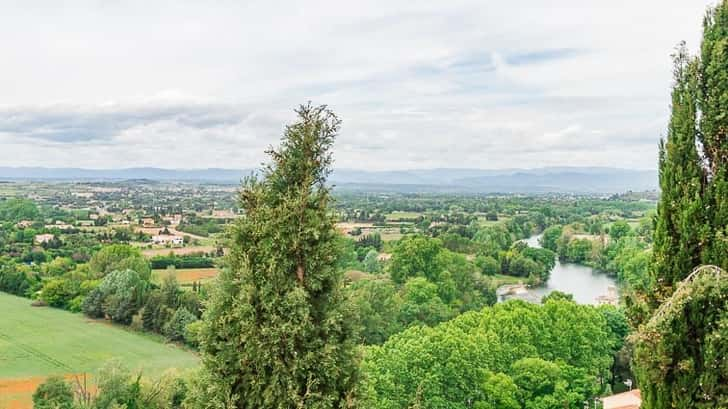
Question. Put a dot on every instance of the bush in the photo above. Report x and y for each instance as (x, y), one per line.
(176, 328)
(54, 393)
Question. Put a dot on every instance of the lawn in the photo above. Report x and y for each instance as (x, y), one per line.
(39, 341)
(500, 279)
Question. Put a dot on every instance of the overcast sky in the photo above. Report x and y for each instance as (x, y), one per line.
(418, 84)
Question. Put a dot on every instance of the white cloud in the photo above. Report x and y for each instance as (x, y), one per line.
(462, 83)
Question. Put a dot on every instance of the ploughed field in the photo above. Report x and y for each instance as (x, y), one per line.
(39, 341)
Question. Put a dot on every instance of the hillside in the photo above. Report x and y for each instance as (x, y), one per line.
(538, 180)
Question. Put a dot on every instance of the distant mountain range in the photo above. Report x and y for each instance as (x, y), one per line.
(539, 180)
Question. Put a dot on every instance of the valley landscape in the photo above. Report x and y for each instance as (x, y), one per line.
(498, 210)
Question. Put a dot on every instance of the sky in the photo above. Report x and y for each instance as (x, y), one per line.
(418, 84)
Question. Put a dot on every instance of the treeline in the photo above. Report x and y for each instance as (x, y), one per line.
(116, 284)
(202, 226)
(187, 261)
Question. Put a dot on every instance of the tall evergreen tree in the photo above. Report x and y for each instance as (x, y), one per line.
(278, 332)
(713, 135)
(680, 352)
(680, 213)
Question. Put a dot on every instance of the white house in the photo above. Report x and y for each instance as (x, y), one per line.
(164, 239)
(43, 238)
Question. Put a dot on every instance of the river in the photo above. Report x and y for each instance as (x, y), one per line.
(583, 282)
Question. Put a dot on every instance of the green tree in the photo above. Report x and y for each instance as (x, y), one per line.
(155, 313)
(54, 393)
(17, 278)
(175, 329)
(59, 291)
(619, 229)
(421, 303)
(170, 289)
(578, 250)
(675, 352)
(278, 332)
(488, 265)
(119, 296)
(378, 304)
(680, 353)
(416, 256)
(713, 135)
(549, 239)
(499, 392)
(120, 257)
(371, 262)
(446, 366)
(681, 221)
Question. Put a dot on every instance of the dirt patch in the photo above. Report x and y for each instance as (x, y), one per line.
(18, 393)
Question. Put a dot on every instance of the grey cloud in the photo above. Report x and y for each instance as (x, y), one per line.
(69, 124)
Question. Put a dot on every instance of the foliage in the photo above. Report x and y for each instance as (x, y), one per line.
(371, 262)
(15, 210)
(578, 251)
(16, 279)
(175, 329)
(54, 393)
(619, 229)
(488, 265)
(120, 257)
(181, 262)
(680, 353)
(416, 256)
(278, 331)
(378, 303)
(519, 346)
(119, 296)
(421, 303)
(550, 237)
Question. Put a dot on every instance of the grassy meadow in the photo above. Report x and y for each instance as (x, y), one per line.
(38, 341)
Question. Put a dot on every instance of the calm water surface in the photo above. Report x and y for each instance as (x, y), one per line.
(581, 281)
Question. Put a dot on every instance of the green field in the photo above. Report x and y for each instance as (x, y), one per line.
(40, 341)
(395, 216)
(185, 276)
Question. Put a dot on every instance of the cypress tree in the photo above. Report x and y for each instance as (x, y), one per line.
(278, 332)
(713, 135)
(680, 221)
(680, 352)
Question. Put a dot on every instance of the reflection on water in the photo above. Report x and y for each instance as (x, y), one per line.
(582, 282)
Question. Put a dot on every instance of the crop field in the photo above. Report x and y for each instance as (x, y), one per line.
(397, 216)
(38, 341)
(188, 275)
(179, 251)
